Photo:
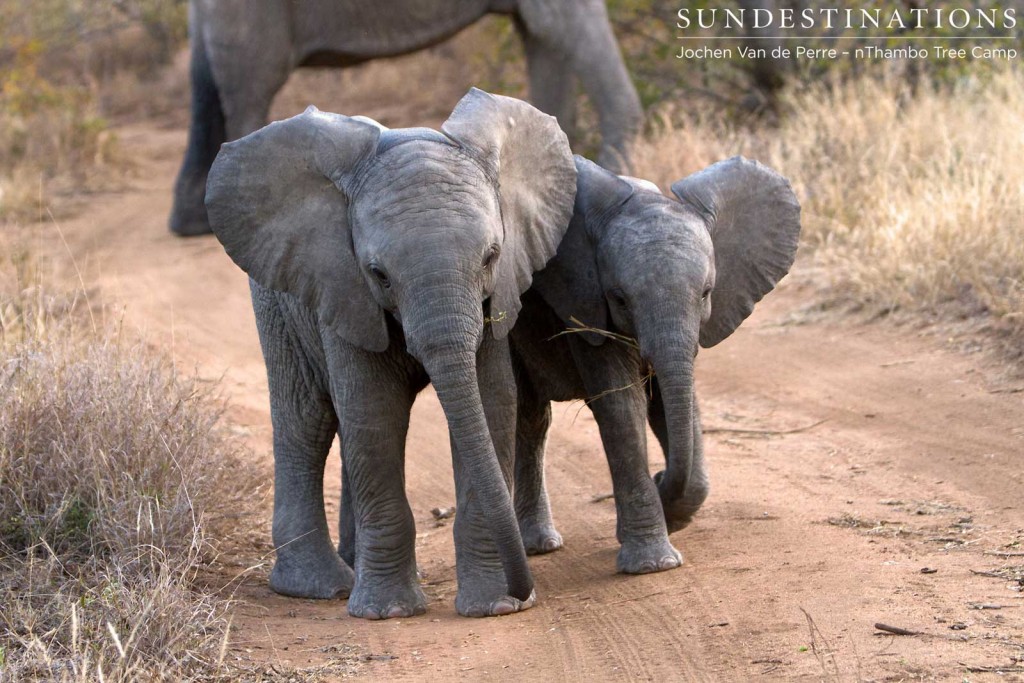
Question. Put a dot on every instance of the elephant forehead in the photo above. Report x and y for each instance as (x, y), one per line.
(654, 222)
(424, 181)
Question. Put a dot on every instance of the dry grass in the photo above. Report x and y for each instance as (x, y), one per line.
(911, 201)
(66, 67)
(114, 477)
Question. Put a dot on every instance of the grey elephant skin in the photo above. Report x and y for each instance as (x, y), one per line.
(380, 260)
(243, 52)
(642, 280)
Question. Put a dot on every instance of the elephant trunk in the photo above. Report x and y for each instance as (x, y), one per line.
(444, 339)
(672, 358)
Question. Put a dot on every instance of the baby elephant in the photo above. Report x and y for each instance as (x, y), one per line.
(376, 259)
(647, 278)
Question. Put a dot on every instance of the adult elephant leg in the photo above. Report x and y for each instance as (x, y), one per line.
(620, 408)
(346, 522)
(682, 511)
(552, 80)
(373, 398)
(533, 510)
(483, 586)
(581, 31)
(206, 133)
(304, 424)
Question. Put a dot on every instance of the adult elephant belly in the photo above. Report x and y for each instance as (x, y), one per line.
(344, 32)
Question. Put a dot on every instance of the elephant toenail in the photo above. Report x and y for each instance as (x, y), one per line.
(551, 544)
(670, 562)
(397, 611)
(502, 607)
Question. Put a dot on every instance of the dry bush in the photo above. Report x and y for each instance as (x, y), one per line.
(911, 201)
(115, 475)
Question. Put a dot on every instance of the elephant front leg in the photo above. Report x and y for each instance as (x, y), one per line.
(483, 589)
(374, 418)
(620, 409)
(533, 509)
(306, 564)
(304, 424)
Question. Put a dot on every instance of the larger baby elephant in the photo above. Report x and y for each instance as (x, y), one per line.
(378, 259)
(651, 278)
(243, 52)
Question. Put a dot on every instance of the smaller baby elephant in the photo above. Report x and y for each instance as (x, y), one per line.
(641, 280)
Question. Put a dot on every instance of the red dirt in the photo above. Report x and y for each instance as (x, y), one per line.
(904, 458)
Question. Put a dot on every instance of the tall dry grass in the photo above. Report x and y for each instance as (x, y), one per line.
(116, 478)
(911, 201)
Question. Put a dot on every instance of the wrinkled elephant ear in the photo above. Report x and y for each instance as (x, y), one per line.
(277, 202)
(570, 283)
(754, 221)
(531, 161)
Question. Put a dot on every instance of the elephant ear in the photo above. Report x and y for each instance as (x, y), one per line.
(754, 221)
(529, 157)
(277, 202)
(570, 283)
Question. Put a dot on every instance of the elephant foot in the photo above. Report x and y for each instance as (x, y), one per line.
(188, 215)
(681, 511)
(539, 539)
(637, 557)
(322, 579)
(382, 601)
(679, 515)
(473, 603)
(190, 226)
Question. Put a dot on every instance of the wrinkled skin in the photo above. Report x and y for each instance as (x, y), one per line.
(242, 57)
(375, 258)
(665, 276)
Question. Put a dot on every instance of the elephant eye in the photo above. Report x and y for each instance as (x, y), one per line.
(380, 275)
(492, 255)
(706, 294)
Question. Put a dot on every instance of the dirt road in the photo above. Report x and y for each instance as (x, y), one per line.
(845, 460)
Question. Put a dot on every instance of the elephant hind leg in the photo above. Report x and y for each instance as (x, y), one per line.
(206, 133)
(533, 509)
(582, 32)
(552, 80)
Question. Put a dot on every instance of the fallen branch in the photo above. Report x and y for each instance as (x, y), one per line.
(991, 575)
(1007, 390)
(762, 432)
(993, 669)
(896, 630)
(601, 497)
(1004, 553)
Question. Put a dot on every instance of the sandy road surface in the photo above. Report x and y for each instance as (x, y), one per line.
(902, 458)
